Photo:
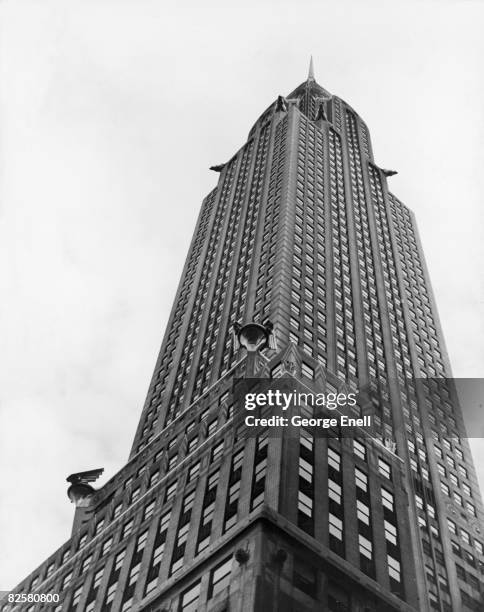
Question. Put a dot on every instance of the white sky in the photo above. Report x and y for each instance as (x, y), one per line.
(111, 113)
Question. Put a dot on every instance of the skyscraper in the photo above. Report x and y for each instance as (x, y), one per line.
(302, 231)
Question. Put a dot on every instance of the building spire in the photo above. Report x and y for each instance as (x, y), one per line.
(311, 70)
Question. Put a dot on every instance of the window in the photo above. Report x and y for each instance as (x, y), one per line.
(384, 468)
(127, 528)
(220, 577)
(164, 521)
(153, 479)
(182, 534)
(134, 573)
(192, 444)
(212, 427)
(305, 469)
(118, 560)
(98, 576)
(452, 526)
(387, 499)
(304, 503)
(151, 585)
(217, 450)
(177, 564)
(66, 580)
(117, 510)
(189, 598)
(334, 459)
(361, 480)
(106, 546)
(171, 490)
(363, 512)
(334, 491)
(76, 596)
(237, 461)
(335, 527)
(172, 461)
(307, 370)
(172, 444)
(82, 540)
(86, 564)
(306, 440)
(393, 568)
(111, 592)
(365, 546)
(390, 533)
(193, 471)
(141, 541)
(149, 509)
(451, 462)
(359, 449)
(442, 470)
(188, 500)
(419, 501)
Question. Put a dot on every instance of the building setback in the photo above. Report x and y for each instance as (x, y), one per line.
(302, 231)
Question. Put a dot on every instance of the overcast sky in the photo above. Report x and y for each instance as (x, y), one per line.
(111, 113)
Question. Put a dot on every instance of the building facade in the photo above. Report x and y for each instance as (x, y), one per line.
(303, 231)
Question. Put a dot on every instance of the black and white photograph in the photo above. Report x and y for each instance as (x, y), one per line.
(241, 306)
